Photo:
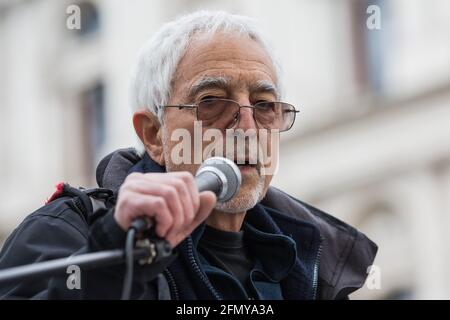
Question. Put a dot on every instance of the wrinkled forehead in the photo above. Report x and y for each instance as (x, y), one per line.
(225, 60)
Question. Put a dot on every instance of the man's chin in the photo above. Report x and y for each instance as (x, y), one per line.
(234, 207)
(245, 200)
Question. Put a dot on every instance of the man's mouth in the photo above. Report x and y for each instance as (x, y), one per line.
(245, 165)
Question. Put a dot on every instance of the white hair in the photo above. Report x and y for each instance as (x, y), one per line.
(159, 57)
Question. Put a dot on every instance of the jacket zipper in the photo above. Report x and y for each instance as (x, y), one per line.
(316, 271)
(199, 272)
(172, 284)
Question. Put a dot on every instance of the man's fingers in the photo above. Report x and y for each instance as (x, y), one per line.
(157, 208)
(172, 200)
(185, 197)
(173, 192)
(154, 207)
(192, 187)
(207, 203)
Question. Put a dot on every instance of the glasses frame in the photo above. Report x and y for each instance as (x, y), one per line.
(255, 106)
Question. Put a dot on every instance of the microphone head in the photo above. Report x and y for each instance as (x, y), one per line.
(229, 174)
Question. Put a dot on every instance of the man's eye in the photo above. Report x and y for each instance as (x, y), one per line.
(209, 97)
(265, 105)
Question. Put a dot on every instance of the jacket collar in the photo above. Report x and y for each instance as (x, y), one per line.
(276, 252)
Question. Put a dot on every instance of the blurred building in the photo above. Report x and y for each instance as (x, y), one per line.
(371, 144)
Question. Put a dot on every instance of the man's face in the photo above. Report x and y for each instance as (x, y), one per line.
(241, 65)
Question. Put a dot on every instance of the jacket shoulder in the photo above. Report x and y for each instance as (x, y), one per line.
(346, 252)
(62, 213)
(52, 231)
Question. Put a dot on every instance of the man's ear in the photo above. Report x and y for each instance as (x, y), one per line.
(149, 130)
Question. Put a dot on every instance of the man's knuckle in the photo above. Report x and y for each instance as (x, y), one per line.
(169, 219)
(158, 203)
(125, 198)
(178, 184)
(134, 176)
(170, 193)
(186, 176)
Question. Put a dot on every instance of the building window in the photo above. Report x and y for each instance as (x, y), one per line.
(369, 46)
(93, 125)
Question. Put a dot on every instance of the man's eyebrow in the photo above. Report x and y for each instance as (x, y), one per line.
(265, 86)
(208, 83)
(259, 86)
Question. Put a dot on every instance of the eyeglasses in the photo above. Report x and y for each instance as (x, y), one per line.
(225, 113)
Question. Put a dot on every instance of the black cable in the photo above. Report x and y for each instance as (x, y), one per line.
(129, 264)
(138, 225)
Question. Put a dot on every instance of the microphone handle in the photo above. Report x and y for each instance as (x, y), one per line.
(208, 181)
(142, 224)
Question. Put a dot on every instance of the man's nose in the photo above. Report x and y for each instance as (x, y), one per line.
(246, 119)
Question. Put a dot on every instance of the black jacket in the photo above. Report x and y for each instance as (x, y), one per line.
(332, 257)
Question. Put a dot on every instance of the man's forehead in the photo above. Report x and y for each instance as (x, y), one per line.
(223, 60)
(226, 49)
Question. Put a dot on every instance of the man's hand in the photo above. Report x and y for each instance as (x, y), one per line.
(171, 199)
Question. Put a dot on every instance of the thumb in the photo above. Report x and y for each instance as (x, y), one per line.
(207, 203)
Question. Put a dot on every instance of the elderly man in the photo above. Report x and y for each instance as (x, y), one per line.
(215, 69)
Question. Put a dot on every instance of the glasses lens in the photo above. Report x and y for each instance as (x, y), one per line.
(223, 113)
(219, 113)
(288, 112)
(275, 115)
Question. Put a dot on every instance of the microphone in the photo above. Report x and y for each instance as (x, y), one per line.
(217, 174)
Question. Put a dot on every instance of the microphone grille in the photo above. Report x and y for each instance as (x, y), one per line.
(231, 172)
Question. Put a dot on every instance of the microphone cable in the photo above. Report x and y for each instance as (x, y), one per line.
(138, 225)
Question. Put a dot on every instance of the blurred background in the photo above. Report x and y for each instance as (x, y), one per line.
(370, 146)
